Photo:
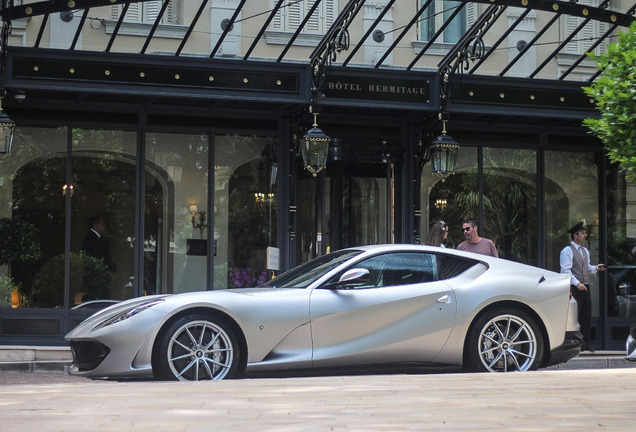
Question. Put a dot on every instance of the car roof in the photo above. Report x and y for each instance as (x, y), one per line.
(422, 248)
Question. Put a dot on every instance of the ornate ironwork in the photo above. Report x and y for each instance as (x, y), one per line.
(326, 53)
(452, 74)
(321, 64)
(5, 31)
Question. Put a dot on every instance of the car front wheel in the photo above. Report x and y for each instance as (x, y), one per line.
(197, 347)
(503, 340)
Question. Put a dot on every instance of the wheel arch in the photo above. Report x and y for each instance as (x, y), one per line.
(212, 313)
(509, 304)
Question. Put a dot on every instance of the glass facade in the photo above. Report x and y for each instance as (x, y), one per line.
(453, 199)
(32, 197)
(245, 209)
(621, 248)
(176, 178)
(494, 186)
(196, 211)
(527, 199)
(59, 182)
(167, 174)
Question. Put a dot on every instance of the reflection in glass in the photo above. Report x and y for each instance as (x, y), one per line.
(104, 175)
(176, 179)
(41, 204)
(245, 209)
(621, 246)
(32, 207)
(510, 203)
(452, 200)
(306, 219)
(363, 218)
(571, 195)
(509, 200)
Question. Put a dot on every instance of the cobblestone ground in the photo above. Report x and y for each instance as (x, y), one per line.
(21, 378)
(542, 401)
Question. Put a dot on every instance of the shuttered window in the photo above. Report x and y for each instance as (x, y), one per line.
(586, 37)
(148, 12)
(292, 13)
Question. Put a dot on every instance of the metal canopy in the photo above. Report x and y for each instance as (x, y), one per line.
(338, 47)
(482, 26)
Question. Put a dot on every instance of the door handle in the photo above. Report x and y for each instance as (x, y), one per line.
(444, 299)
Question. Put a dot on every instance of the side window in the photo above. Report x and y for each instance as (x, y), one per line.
(451, 266)
(404, 268)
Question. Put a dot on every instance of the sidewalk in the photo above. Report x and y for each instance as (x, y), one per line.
(546, 401)
(597, 360)
(57, 359)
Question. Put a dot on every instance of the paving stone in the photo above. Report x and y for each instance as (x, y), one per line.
(547, 400)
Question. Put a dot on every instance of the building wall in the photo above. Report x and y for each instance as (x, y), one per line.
(227, 155)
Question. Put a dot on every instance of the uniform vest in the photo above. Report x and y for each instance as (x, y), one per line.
(580, 269)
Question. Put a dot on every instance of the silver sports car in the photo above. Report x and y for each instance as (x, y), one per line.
(630, 345)
(374, 306)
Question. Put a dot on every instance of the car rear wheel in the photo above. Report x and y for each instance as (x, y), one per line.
(198, 347)
(503, 340)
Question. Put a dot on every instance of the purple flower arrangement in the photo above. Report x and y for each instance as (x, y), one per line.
(244, 278)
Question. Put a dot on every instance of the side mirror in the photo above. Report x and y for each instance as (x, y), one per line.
(353, 277)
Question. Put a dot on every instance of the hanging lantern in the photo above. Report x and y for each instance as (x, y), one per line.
(315, 149)
(443, 152)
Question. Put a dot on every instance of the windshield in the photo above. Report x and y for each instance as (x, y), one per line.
(305, 274)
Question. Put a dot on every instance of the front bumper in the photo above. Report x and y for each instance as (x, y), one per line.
(88, 355)
(570, 348)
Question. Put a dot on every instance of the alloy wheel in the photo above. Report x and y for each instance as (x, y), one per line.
(200, 350)
(507, 343)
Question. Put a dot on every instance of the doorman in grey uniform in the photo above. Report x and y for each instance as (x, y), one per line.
(575, 261)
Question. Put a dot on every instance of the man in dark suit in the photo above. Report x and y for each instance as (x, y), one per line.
(96, 246)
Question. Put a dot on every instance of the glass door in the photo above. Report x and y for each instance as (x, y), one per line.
(343, 207)
(359, 207)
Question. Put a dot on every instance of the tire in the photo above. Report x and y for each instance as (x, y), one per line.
(503, 340)
(198, 347)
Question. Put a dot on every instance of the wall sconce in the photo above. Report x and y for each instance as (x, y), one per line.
(262, 198)
(200, 224)
(315, 149)
(7, 129)
(68, 189)
(441, 203)
(259, 197)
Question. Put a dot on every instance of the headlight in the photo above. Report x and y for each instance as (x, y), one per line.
(124, 315)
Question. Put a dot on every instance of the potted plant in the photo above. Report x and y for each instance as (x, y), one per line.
(18, 244)
(18, 241)
(6, 289)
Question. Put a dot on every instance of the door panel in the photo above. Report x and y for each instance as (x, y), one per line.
(398, 323)
(397, 316)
